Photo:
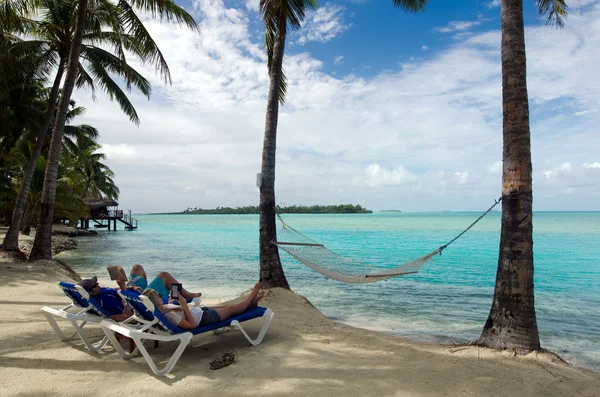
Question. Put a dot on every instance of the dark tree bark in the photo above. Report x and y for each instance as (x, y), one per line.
(512, 321)
(42, 245)
(271, 271)
(11, 240)
(26, 221)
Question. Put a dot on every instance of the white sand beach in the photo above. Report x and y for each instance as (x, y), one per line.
(303, 354)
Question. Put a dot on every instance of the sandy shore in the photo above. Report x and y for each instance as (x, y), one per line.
(303, 354)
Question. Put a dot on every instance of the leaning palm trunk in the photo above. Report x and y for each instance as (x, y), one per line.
(26, 221)
(42, 245)
(11, 240)
(271, 272)
(512, 322)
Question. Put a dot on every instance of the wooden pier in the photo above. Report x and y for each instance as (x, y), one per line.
(105, 214)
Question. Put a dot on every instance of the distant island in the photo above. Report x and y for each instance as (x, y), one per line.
(293, 209)
(390, 211)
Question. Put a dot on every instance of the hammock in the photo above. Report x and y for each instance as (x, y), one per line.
(330, 264)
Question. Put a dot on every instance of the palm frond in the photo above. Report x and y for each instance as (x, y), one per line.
(113, 91)
(168, 10)
(554, 10)
(85, 80)
(112, 64)
(146, 47)
(411, 5)
(277, 15)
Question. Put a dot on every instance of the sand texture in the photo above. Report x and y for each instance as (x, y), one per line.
(303, 354)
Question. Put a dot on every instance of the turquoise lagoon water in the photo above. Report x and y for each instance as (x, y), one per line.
(447, 301)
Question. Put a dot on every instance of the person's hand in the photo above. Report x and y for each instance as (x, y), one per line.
(183, 302)
(121, 282)
(138, 289)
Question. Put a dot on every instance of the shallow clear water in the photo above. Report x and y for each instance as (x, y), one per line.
(447, 301)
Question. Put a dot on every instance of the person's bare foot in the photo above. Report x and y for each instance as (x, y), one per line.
(195, 295)
(257, 299)
(254, 291)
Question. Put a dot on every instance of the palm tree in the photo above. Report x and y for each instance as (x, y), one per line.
(81, 174)
(42, 248)
(277, 14)
(53, 33)
(96, 177)
(512, 321)
(22, 75)
(128, 33)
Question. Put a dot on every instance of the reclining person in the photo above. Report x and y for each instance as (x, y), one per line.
(189, 318)
(108, 298)
(161, 283)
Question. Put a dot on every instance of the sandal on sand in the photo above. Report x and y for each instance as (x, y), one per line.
(223, 361)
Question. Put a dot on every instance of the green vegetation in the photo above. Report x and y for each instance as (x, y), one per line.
(293, 209)
(47, 49)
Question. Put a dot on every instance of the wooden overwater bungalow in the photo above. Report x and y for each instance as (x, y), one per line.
(104, 211)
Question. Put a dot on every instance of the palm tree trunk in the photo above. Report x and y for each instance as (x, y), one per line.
(26, 221)
(42, 245)
(512, 322)
(6, 175)
(11, 240)
(271, 272)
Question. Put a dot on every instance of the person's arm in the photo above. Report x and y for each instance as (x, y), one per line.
(127, 312)
(121, 282)
(188, 322)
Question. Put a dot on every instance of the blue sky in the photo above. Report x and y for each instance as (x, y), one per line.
(385, 109)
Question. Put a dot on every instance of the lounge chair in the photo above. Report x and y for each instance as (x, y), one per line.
(156, 327)
(84, 309)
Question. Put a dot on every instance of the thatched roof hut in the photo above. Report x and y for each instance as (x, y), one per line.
(99, 208)
(95, 204)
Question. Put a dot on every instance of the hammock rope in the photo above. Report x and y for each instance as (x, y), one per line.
(330, 264)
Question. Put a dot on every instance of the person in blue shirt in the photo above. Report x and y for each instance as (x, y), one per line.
(108, 298)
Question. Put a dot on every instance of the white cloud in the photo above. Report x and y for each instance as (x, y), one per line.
(120, 153)
(252, 5)
(424, 48)
(562, 168)
(337, 60)
(495, 167)
(323, 25)
(461, 26)
(430, 130)
(463, 177)
(494, 3)
(377, 176)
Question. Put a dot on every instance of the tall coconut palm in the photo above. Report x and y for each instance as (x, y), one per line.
(21, 89)
(128, 33)
(278, 16)
(53, 33)
(512, 321)
(42, 248)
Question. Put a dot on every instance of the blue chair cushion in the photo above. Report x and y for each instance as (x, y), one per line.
(137, 305)
(94, 307)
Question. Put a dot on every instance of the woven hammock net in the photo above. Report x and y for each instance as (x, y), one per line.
(330, 264)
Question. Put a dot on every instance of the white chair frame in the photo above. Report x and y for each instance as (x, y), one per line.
(150, 332)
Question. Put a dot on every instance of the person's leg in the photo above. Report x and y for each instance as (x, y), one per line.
(138, 277)
(169, 280)
(234, 310)
(138, 270)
